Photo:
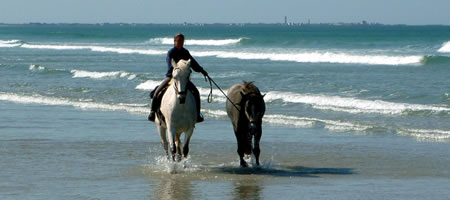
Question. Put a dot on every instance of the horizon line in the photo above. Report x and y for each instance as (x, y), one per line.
(360, 23)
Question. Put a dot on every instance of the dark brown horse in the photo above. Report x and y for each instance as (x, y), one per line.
(246, 113)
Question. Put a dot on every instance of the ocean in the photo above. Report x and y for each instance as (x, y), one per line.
(352, 112)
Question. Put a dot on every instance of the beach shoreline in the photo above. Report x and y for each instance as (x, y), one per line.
(120, 152)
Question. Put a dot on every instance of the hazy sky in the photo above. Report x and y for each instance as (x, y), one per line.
(225, 11)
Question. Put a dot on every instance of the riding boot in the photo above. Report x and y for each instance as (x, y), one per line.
(196, 94)
(155, 105)
(156, 99)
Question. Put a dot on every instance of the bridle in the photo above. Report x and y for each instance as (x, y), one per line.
(182, 93)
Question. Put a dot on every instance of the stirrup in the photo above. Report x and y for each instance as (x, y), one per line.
(151, 117)
(200, 118)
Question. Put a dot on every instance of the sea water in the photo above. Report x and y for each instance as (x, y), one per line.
(351, 110)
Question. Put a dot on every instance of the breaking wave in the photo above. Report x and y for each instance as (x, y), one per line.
(59, 101)
(445, 47)
(276, 55)
(276, 119)
(10, 43)
(222, 42)
(101, 75)
(96, 49)
(318, 57)
(352, 105)
(324, 102)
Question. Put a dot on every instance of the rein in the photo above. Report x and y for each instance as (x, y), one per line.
(210, 92)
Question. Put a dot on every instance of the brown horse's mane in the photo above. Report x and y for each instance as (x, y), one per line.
(250, 88)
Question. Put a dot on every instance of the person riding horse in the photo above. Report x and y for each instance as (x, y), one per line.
(177, 53)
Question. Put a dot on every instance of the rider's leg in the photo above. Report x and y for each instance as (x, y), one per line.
(196, 94)
(156, 100)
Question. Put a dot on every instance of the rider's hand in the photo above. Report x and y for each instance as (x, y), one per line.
(204, 73)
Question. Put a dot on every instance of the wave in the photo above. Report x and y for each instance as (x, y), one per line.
(426, 134)
(222, 42)
(148, 85)
(10, 43)
(436, 60)
(36, 67)
(81, 103)
(341, 126)
(445, 47)
(276, 119)
(324, 102)
(96, 49)
(102, 75)
(276, 55)
(353, 105)
(318, 57)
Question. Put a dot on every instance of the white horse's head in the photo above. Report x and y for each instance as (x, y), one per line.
(181, 75)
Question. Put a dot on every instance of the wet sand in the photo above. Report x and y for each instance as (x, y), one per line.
(57, 152)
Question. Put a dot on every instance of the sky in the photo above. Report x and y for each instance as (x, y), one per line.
(412, 12)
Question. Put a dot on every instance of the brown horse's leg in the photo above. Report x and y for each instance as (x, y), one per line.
(256, 150)
(240, 151)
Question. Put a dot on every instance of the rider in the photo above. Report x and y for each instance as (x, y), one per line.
(177, 53)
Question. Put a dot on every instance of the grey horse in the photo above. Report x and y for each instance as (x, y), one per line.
(246, 111)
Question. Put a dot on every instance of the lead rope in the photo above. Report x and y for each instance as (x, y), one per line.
(210, 92)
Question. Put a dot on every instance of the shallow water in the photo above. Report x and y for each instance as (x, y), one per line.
(114, 155)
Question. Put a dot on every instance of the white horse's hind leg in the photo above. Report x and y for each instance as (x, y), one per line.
(187, 139)
(162, 134)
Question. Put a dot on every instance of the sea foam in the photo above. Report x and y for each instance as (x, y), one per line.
(318, 57)
(350, 104)
(276, 119)
(95, 49)
(445, 47)
(59, 101)
(10, 43)
(276, 55)
(101, 75)
(223, 42)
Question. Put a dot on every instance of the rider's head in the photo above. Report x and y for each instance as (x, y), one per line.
(178, 41)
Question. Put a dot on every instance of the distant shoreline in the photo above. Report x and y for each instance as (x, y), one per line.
(361, 24)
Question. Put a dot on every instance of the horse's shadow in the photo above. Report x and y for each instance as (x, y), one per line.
(292, 171)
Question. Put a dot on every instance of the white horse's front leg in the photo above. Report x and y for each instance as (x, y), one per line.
(187, 139)
(178, 145)
(162, 134)
(171, 134)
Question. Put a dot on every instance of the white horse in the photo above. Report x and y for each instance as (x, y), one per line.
(179, 110)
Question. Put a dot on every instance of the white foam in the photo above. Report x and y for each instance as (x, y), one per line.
(274, 55)
(303, 122)
(318, 57)
(101, 75)
(36, 67)
(10, 43)
(83, 104)
(96, 49)
(223, 42)
(285, 120)
(148, 85)
(351, 105)
(445, 47)
(426, 134)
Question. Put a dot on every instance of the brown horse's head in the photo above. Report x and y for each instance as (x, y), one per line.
(254, 107)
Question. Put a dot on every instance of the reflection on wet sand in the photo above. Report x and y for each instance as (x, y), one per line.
(247, 189)
(173, 187)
